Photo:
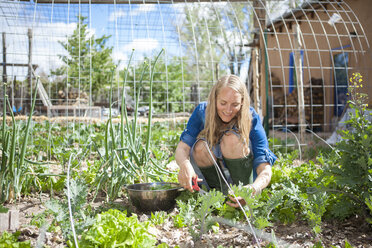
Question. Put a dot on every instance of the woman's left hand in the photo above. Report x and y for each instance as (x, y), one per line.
(233, 203)
(263, 179)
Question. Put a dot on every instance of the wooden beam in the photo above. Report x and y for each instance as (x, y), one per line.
(298, 13)
(17, 65)
(125, 1)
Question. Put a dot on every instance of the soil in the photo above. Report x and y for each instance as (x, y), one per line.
(299, 234)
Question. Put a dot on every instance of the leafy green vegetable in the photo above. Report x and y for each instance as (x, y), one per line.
(158, 217)
(8, 240)
(162, 187)
(59, 209)
(228, 212)
(187, 208)
(114, 229)
(315, 210)
(369, 205)
(3, 209)
(208, 202)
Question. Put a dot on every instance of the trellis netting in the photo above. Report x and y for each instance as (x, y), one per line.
(295, 56)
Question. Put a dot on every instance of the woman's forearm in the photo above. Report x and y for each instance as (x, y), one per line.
(263, 177)
(182, 154)
(186, 172)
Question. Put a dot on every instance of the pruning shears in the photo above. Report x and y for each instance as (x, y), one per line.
(196, 187)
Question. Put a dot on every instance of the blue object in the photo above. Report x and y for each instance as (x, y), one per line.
(15, 110)
(341, 83)
(257, 136)
(292, 70)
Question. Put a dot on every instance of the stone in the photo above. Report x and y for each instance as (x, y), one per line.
(13, 220)
(4, 221)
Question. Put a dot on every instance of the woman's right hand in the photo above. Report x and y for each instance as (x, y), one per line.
(186, 172)
(185, 175)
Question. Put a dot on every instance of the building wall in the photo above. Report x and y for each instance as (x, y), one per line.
(363, 10)
(321, 42)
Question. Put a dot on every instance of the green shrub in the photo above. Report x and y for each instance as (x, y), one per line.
(353, 172)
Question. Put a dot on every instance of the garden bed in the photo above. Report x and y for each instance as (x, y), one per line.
(75, 171)
(354, 230)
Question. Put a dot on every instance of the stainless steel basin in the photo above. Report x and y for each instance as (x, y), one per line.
(146, 198)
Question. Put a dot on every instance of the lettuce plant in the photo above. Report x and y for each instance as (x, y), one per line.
(9, 240)
(114, 229)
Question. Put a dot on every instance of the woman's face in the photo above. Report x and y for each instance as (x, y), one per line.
(229, 103)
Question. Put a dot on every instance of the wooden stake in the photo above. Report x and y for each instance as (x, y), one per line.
(255, 79)
(300, 83)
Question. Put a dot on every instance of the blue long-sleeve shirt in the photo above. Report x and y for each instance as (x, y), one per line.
(257, 136)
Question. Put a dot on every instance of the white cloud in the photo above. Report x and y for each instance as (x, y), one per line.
(116, 15)
(45, 49)
(142, 45)
(120, 57)
(143, 8)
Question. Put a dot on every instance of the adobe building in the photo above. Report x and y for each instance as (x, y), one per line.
(333, 43)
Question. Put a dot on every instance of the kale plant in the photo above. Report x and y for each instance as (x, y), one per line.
(59, 209)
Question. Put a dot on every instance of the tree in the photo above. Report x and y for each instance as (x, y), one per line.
(170, 87)
(216, 32)
(88, 60)
(213, 36)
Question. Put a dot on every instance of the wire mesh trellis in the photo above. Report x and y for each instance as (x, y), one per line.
(77, 47)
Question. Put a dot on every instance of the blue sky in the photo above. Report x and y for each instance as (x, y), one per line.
(147, 27)
(130, 26)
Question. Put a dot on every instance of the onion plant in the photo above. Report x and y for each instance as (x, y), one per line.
(13, 157)
(127, 157)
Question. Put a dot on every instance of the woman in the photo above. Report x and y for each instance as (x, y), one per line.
(232, 129)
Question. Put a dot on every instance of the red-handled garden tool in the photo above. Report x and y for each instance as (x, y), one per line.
(196, 187)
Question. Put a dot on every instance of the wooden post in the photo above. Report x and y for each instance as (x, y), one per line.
(217, 72)
(4, 58)
(299, 78)
(261, 25)
(29, 78)
(12, 92)
(255, 79)
(4, 74)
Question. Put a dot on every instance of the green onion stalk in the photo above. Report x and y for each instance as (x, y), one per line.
(11, 170)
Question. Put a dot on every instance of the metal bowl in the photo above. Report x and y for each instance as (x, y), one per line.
(145, 199)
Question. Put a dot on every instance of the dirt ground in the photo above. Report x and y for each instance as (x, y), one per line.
(354, 230)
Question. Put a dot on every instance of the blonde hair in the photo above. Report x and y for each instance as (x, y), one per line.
(213, 123)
